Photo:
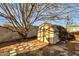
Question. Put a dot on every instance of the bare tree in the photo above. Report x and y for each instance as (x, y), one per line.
(23, 15)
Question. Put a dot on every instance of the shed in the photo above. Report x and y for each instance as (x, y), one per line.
(50, 33)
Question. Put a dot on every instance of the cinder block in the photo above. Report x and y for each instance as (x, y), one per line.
(13, 54)
(27, 47)
(15, 48)
(20, 46)
(22, 43)
(21, 49)
(12, 51)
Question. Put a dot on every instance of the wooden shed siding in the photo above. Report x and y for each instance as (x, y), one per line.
(45, 32)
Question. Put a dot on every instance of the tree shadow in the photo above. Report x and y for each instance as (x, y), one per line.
(17, 41)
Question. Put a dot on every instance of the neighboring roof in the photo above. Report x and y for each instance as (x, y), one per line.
(74, 25)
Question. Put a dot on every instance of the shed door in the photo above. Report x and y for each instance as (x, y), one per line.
(48, 34)
(45, 33)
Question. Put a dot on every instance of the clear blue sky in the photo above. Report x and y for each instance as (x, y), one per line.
(58, 22)
(2, 20)
(37, 23)
(61, 22)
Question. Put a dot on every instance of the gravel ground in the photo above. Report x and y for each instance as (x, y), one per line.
(69, 49)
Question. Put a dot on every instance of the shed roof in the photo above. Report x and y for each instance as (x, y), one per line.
(56, 27)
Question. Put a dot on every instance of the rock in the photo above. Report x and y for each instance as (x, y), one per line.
(63, 54)
(40, 53)
(58, 48)
(77, 52)
(64, 47)
(52, 51)
(76, 48)
(4, 54)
